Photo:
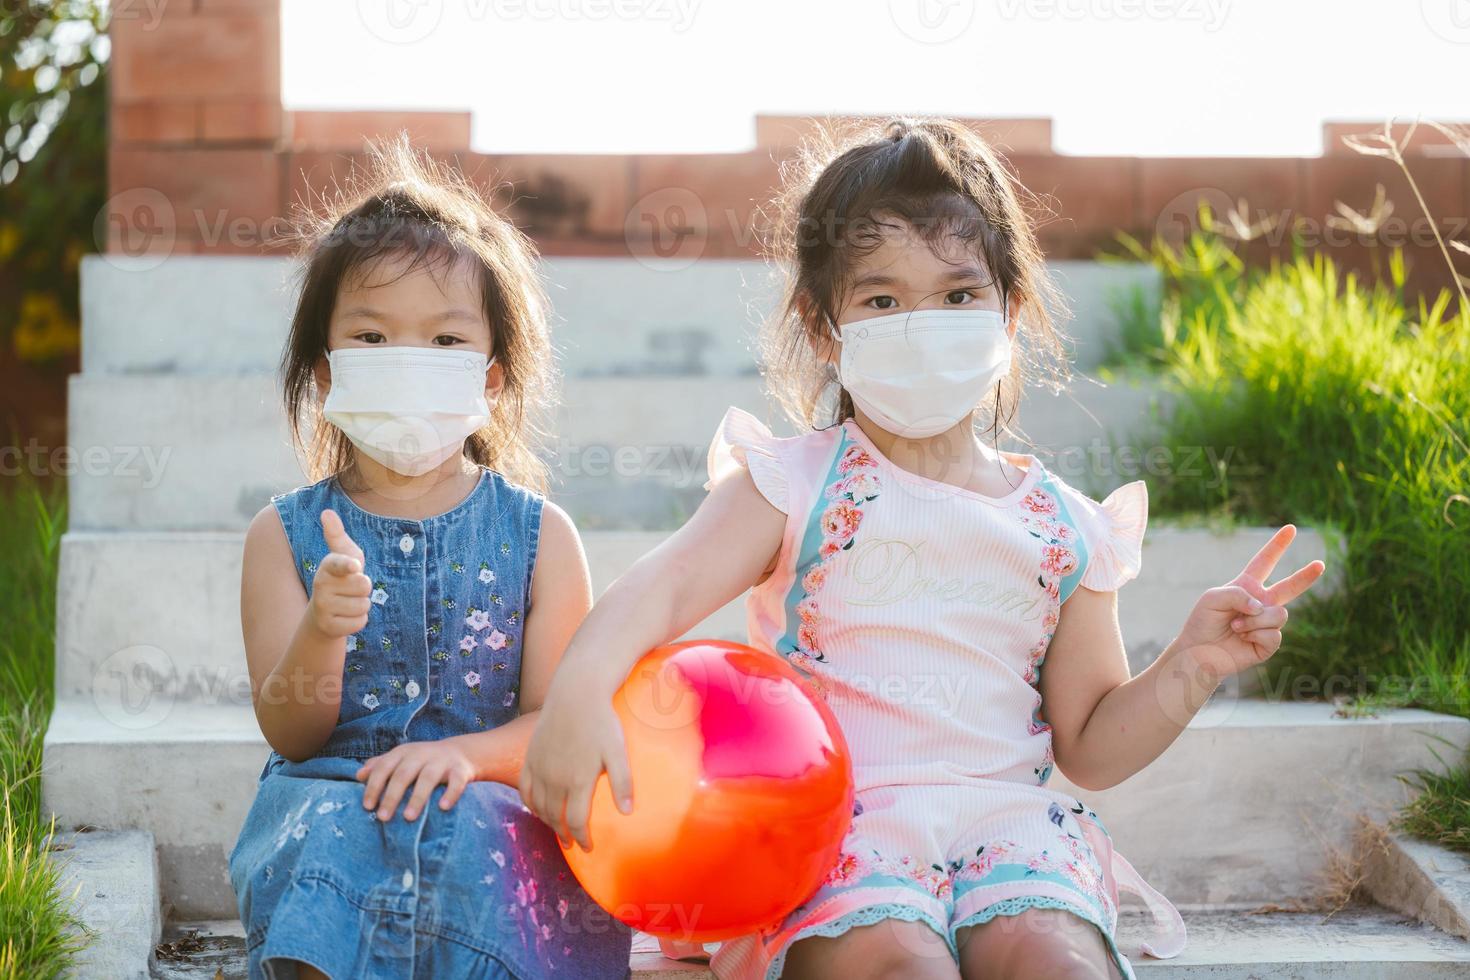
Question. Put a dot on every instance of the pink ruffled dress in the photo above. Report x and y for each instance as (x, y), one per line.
(922, 613)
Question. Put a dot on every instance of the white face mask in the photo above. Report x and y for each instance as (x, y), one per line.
(918, 374)
(409, 408)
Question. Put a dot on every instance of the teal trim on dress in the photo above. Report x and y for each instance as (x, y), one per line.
(810, 554)
(1069, 582)
(1009, 871)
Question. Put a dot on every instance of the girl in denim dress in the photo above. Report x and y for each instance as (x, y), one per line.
(403, 616)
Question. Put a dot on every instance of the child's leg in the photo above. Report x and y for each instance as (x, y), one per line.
(1046, 944)
(890, 948)
(308, 972)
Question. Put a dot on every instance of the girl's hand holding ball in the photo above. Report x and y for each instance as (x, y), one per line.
(340, 592)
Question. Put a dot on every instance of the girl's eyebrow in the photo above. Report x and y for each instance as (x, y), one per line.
(873, 279)
(362, 311)
(454, 313)
(966, 273)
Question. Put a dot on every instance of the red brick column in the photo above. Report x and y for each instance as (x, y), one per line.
(196, 126)
(202, 155)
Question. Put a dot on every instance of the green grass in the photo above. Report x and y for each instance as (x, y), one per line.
(1441, 811)
(1344, 404)
(37, 937)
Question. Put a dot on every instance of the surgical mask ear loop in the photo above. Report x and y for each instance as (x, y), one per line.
(833, 329)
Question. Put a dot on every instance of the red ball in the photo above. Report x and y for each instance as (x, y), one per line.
(742, 794)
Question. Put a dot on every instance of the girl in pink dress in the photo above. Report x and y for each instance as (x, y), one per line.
(921, 579)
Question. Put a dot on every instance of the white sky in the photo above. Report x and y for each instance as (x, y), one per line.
(1125, 77)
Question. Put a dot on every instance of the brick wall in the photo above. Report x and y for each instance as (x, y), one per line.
(204, 159)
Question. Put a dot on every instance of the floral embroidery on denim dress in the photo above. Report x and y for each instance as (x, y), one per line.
(479, 890)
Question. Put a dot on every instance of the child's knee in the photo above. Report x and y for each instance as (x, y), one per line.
(1050, 943)
(887, 948)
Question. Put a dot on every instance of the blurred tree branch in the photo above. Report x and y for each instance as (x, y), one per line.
(53, 161)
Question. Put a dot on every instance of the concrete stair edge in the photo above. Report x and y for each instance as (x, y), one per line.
(1359, 943)
(1201, 837)
(1421, 879)
(111, 878)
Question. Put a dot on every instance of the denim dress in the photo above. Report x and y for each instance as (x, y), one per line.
(478, 891)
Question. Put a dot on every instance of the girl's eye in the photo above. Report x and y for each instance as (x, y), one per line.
(446, 340)
(959, 297)
(371, 337)
(882, 302)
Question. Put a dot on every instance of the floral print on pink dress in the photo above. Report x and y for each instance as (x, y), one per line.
(1039, 514)
(856, 484)
(994, 861)
(852, 868)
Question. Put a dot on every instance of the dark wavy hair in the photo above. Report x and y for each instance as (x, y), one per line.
(843, 194)
(407, 206)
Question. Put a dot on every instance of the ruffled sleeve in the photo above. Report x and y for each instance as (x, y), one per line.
(1113, 532)
(743, 441)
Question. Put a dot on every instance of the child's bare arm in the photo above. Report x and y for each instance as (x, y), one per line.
(294, 648)
(1086, 663)
(561, 595)
(724, 549)
(1106, 726)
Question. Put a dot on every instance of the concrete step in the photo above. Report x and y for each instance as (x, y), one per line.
(111, 879)
(126, 641)
(1239, 811)
(205, 453)
(1358, 943)
(144, 617)
(612, 316)
(1421, 879)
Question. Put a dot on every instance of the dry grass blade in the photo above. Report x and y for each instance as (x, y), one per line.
(1384, 145)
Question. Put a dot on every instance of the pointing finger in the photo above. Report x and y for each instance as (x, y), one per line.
(341, 565)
